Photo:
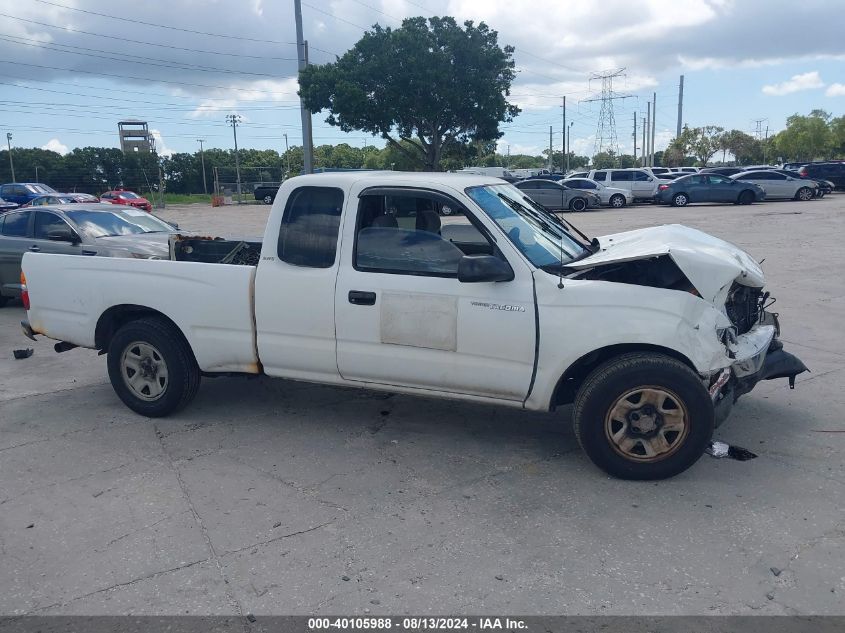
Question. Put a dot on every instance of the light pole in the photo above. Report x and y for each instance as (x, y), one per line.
(287, 157)
(234, 119)
(568, 138)
(202, 159)
(11, 162)
(305, 114)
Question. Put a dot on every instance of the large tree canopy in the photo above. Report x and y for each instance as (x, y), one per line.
(429, 81)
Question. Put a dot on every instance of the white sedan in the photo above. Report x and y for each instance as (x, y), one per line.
(610, 196)
(778, 185)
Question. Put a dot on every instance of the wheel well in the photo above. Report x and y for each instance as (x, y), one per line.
(578, 371)
(680, 193)
(117, 316)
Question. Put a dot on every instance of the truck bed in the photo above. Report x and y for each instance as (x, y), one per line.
(211, 303)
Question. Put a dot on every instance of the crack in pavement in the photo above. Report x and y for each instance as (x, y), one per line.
(278, 538)
(50, 393)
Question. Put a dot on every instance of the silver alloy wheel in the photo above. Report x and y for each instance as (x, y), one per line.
(805, 193)
(579, 204)
(144, 371)
(617, 201)
(680, 200)
(268, 199)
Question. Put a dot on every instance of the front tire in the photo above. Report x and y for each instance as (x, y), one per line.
(746, 197)
(617, 201)
(152, 368)
(578, 204)
(680, 200)
(804, 194)
(643, 416)
(268, 199)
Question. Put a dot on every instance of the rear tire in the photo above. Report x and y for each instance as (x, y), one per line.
(578, 204)
(746, 197)
(643, 415)
(617, 201)
(680, 200)
(268, 199)
(804, 194)
(152, 368)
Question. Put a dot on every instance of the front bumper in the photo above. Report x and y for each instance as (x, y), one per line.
(769, 363)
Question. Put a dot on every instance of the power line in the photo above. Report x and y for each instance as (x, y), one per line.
(319, 10)
(606, 138)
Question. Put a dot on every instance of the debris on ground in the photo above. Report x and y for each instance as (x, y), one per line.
(20, 354)
(770, 595)
(721, 449)
(250, 617)
(775, 571)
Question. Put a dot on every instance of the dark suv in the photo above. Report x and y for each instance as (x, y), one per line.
(834, 172)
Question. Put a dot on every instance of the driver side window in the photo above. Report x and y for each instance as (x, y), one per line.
(414, 234)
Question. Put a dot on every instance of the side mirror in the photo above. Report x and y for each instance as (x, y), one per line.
(63, 235)
(479, 268)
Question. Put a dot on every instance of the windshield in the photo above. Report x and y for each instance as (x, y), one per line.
(538, 235)
(128, 195)
(112, 223)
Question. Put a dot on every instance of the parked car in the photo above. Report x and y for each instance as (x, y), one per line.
(266, 193)
(578, 174)
(778, 185)
(652, 333)
(638, 181)
(823, 187)
(53, 198)
(724, 171)
(7, 206)
(77, 229)
(554, 195)
(81, 197)
(833, 171)
(708, 188)
(128, 198)
(687, 170)
(609, 196)
(22, 192)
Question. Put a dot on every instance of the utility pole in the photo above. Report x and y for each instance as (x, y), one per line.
(160, 188)
(202, 159)
(647, 136)
(563, 158)
(11, 162)
(642, 162)
(508, 165)
(234, 119)
(635, 138)
(302, 54)
(765, 145)
(680, 107)
(550, 148)
(287, 157)
(653, 125)
(568, 133)
(36, 171)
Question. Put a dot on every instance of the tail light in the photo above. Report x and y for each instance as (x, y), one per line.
(24, 292)
(803, 172)
(662, 187)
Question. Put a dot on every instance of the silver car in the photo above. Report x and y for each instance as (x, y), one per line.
(610, 196)
(554, 195)
(778, 185)
(77, 229)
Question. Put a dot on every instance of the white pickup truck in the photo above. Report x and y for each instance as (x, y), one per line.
(440, 285)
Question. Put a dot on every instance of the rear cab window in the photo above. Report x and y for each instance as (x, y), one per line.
(15, 224)
(310, 224)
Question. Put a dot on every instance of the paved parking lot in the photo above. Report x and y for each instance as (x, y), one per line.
(268, 496)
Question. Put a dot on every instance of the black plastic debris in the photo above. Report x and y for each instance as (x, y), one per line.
(721, 449)
(20, 354)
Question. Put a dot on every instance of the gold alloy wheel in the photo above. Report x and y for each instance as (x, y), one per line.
(647, 424)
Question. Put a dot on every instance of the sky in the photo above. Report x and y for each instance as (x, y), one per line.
(71, 69)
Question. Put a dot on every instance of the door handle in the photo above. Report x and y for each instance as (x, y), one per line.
(362, 298)
(34, 249)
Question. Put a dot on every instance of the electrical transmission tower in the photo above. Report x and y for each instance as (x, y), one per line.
(606, 139)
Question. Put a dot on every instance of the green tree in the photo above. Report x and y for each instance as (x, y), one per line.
(806, 137)
(745, 149)
(700, 142)
(604, 160)
(429, 81)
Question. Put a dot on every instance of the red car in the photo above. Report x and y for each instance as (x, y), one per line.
(120, 196)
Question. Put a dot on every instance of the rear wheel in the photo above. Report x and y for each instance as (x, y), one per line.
(268, 199)
(746, 197)
(643, 416)
(152, 368)
(578, 204)
(804, 193)
(680, 200)
(617, 201)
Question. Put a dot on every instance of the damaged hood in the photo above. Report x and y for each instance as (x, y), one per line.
(710, 264)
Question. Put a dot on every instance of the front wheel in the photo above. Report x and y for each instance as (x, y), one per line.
(578, 204)
(152, 368)
(680, 200)
(643, 416)
(746, 197)
(617, 201)
(268, 199)
(805, 193)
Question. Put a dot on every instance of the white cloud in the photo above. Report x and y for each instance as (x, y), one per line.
(797, 83)
(161, 148)
(835, 90)
(54, 145)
